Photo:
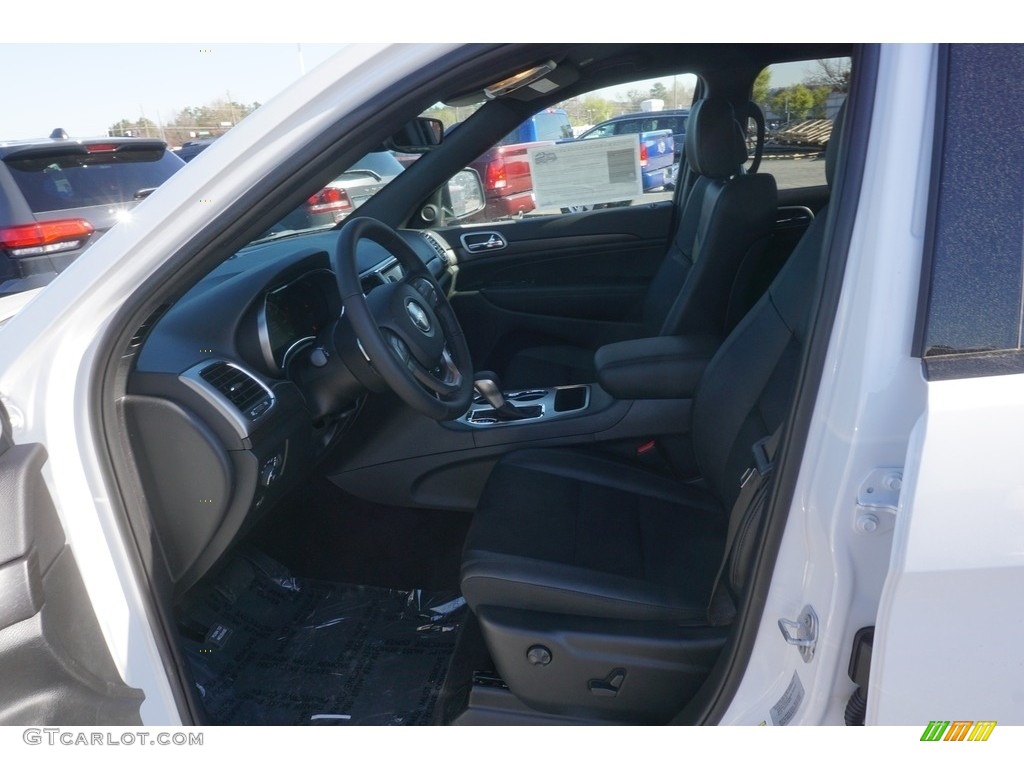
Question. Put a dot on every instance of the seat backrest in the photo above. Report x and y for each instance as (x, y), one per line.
(726, 218)
(747, 388)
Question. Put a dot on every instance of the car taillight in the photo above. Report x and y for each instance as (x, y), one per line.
(45, 237)
(643, 155)
(334, 200)
(496, 177)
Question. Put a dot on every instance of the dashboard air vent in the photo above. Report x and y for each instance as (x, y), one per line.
(244, 392)
(438, 248)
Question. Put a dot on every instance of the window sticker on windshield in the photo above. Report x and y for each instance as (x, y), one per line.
(786, 707)
(586, 172)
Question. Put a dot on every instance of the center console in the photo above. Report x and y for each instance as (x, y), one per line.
(534, 405)
(644, 389)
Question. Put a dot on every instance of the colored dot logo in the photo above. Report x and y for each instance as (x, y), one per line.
(205, 200)
(206, 50)
(207, 350)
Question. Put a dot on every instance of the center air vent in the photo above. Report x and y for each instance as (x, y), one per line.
(438, 248)
(244, 392)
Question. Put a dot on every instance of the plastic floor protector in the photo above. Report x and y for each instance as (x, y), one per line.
(278, 650)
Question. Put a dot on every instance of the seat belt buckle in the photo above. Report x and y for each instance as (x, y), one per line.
(762, 464)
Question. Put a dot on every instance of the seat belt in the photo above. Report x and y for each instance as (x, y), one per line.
(757, 115)
(754, 487)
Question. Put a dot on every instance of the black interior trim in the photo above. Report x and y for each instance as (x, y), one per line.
(109, 380)
(711, 703)
(928, 253)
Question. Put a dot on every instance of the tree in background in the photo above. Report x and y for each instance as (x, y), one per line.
(209, 120)
(659, 91)
(141, 127)
(761, 84)
(633, 98)
(793, 103)
(595, 109)
(833, 74)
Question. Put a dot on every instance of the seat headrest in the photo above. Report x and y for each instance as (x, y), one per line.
(714, 139)
(832, 148)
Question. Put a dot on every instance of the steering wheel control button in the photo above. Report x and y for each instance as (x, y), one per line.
(271, 470)
(539, 656)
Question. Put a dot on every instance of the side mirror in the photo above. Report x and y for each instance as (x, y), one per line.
(419, 135)
(466, 193)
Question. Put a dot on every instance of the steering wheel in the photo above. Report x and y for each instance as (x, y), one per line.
(406, 330)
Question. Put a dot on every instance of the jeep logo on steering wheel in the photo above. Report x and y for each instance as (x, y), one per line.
(418, 316)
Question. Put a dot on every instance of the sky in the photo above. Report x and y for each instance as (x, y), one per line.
(85, 88)
(144, 60)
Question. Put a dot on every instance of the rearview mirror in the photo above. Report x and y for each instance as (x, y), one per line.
(419, 135)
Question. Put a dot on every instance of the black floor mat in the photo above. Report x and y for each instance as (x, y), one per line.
(272, 649)
(321, 532)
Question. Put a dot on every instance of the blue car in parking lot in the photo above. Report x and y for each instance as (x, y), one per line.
(658, 165)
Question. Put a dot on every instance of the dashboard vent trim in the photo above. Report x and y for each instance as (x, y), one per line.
(438, 248)
(243, 391)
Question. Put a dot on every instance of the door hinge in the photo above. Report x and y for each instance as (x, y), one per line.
(877, 499)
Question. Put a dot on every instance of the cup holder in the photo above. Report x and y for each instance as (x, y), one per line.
(528, 396)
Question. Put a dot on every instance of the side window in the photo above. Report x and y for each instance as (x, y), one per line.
(799, 101)
(973, 282)
(602, 131)
(581, 153)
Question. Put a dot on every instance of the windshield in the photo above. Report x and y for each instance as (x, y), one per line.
(335, 202)
(340, 197)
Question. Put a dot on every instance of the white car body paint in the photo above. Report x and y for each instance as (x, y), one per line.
(937, 590)
(11, 305)
(47, 351)
(870, 396)
(950, 628)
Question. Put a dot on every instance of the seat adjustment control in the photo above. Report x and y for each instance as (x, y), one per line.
(610, 685)
(538, 655)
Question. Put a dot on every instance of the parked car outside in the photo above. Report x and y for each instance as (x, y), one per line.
(658, 168)
(641, 122)
(505, 169)
(335, 201)
(59, 195)
(190, 149)
(181, 386)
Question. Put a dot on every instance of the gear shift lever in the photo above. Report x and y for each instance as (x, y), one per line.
(487, 384)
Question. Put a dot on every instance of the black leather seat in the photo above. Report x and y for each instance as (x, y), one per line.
(608, 567)
(728, 217)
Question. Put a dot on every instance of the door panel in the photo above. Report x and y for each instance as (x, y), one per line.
(576, 278)
(54, 663)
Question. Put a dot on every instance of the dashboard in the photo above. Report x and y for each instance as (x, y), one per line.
(291, 316)
(217, 411)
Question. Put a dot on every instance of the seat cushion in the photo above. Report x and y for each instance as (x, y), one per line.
(570, 532)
